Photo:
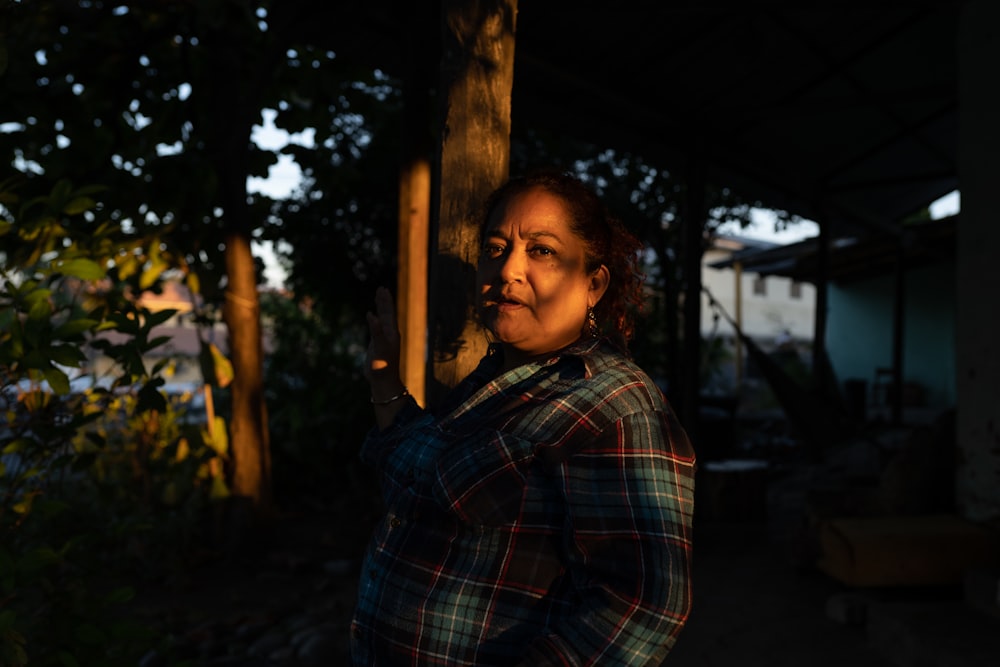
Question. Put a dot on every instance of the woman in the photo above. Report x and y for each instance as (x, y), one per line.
(542, 515)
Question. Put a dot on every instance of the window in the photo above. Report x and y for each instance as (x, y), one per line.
(795, 290)
(759, 286)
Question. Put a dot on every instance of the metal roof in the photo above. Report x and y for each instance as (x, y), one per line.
(853, 258)
(842, 112)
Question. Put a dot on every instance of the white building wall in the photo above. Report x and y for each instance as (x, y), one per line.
(764, 317)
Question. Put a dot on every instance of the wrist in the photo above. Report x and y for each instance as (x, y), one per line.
(382, 399)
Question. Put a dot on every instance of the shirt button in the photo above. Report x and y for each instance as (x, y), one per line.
(395, 522)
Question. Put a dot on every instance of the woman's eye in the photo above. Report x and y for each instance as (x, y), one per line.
(493, 250)
(542, 251)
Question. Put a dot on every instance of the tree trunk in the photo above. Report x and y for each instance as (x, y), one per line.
(233, 109)
(251, 460)
(474, 159)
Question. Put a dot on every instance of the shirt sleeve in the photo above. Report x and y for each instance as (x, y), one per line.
(378, 445)
(628, 540)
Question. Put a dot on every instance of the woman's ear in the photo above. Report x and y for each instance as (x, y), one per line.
(599, 280)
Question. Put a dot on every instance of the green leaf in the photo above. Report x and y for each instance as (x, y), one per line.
(150, 398)
(38, 305)
(61, 192)
(159, 317)
(67, 355)
(74, 327)
(124, 323)
(132, 361)
(85, 190)
(127, 266)
(15, 446)
(82, 268)
(79, 205)
(160, 365)
(218, 438)
(219, 490)
(16, 332)
(35, 359)
(158, 341)
(58, 380)
(152, 273)
(216, 369)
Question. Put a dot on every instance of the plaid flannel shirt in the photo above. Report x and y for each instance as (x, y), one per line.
(542, 517)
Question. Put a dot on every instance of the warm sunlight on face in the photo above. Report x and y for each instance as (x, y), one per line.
(534, 290)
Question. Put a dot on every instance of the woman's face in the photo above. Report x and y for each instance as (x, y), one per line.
(534, 290)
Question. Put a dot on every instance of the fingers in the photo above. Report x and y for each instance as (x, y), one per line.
(386, 310)
(383, 350)
(374, 325)
(382, 325)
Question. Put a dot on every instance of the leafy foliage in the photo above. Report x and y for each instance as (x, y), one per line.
(85, 462)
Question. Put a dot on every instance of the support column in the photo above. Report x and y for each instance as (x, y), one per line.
(411, 305)
(819, 353)
(978, 282)
(417, 148)
(692, 243)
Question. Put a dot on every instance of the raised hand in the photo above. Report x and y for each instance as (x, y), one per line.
(382, 360)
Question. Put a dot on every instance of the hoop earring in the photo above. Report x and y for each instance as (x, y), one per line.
(592, 328)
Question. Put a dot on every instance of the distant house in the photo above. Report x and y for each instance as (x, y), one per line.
(775, 311)
(890, 309)
(768, 308)
(185, 337)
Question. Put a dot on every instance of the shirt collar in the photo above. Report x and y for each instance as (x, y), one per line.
(583, 350)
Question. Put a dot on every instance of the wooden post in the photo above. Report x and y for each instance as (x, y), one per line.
(738, 308)
(819, 365)
(417, 148)
(977, 346)
(474, 159)
(692, 227)
(411, 303)
(898, 332)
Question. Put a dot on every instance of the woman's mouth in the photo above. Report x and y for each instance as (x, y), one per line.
(503, 304)
(507, 305)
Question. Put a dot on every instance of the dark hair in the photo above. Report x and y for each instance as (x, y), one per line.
(606, 239)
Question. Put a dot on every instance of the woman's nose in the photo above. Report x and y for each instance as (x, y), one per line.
(512, 267)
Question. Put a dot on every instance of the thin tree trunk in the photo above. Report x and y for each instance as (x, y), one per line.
(251, 469)
(232, 95)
